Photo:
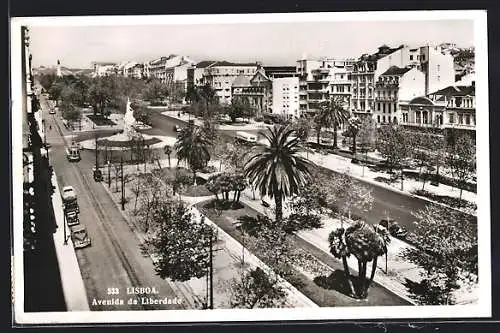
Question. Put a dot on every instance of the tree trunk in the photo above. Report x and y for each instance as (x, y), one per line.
(216, 196)
(461, 190)
(169, 165)
(364, 283)
(354, 145)
(194, 177)
(374, 268)
(402, 179)
(335, 136)
(279, 207)
(318, 134)
(234, 196)
(348, 275)
(238, 197)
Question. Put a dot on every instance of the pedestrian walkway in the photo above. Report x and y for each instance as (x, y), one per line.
(398, 270)
(227, 263)
(343, 165)
(71, 277)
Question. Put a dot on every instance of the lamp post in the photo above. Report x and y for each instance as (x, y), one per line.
(123, 183)
(64, 226)
(109, 174)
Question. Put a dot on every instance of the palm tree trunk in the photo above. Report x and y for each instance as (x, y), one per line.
(335, 136)
(318, 134)
(354, 145)
(169, 165)
(348, 275)
(374, 268)
(278, 206)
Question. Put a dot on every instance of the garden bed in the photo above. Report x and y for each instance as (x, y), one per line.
(447, 200)
(100, 120)
(323, 294)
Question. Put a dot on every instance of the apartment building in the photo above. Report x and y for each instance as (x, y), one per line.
(432, 61)
(451, 107)
(104, 68)
(194, 74)
(176, 72)
(393, 87)
(258, 90)
(286, 97)
(321, 80)
(221, 75)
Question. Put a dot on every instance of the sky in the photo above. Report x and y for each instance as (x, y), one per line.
(272, 43)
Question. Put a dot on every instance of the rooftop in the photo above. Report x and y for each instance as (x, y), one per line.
(394, 70)
(457, 91)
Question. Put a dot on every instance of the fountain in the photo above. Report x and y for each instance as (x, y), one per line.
(129, 134)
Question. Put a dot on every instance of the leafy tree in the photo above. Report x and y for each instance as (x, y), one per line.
(367, 136)
(395, 146)
(462, 160)
(350, 194)
(236, 109)
(46, 80)
(423, 144)
(353, 128)
(193, 146)
(364, 242)
(70, 112)
(446, 244)
(277, 170)
(332, 114)
(180, 242)
(155, 91)
(168, 151)
(151, 198)
(102, 93)
(255, 289)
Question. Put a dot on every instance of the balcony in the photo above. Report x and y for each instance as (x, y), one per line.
(388, 85)
(386, 99)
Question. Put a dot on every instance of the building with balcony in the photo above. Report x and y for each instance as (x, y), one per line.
(221, 75)
(286, 97)
(395, 86)
(321, 80)
(453, 107)
(432, 61)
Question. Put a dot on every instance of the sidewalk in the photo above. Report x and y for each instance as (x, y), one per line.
(227, 261)
(71, 277)
(343, 165)
(246, 127)
(398, 269)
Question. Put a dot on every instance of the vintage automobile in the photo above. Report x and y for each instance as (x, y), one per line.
(68, 195)
(72, 218)
(73, 153)
(80, 237)
(97, 173)
(393, 227)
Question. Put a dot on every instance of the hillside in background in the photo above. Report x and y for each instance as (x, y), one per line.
(64, 71)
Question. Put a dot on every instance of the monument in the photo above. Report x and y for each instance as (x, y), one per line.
(129, 122)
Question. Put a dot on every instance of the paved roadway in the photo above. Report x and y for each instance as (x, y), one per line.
(114, 259)
(386, 202)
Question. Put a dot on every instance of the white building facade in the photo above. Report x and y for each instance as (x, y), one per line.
(286, 97)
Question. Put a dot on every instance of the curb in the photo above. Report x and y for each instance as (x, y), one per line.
(73, 287)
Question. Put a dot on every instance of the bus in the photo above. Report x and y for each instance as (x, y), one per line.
(246, 137)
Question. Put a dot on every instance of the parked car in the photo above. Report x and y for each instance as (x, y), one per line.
(80, 237)
(72, 218)
(68, 193)
(394, 228)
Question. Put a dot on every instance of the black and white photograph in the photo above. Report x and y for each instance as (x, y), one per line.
(248, 167)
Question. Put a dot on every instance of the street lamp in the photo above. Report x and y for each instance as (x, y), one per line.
(64, 226)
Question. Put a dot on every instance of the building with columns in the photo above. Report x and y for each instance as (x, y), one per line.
(451, 107)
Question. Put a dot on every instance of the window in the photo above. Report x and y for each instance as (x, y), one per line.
(383, 107)
(460, 118)
(405, 117)
(422, 57)
(378, 106)
(425, 116)
(383, 119)
(411, 57)
(438, 78)
(438, 67)
(451, 117)
(418, 118)
(378, 118)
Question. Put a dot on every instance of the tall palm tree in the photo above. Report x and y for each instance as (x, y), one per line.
(277, 170)
(332, 114)
(193, 146)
